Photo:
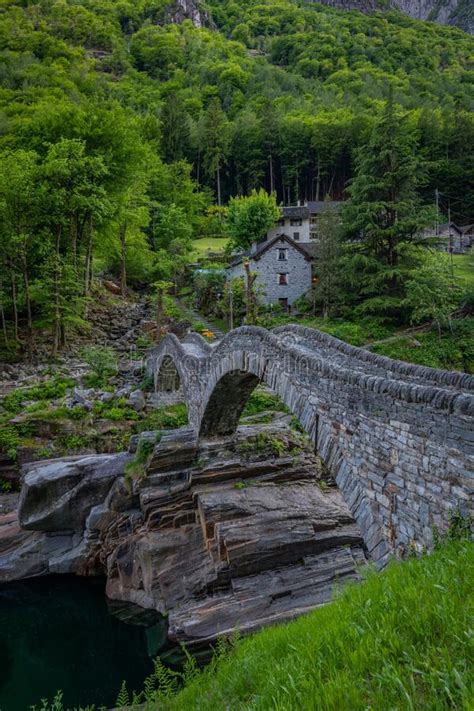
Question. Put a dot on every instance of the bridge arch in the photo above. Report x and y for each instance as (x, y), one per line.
(167, 378)
(395, 437)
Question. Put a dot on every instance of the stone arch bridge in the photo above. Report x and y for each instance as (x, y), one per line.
(398, 438)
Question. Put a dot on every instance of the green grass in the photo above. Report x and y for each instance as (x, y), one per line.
(208, 244)
(464, 269)
(453, 351)
(403, 639)
(356, 333)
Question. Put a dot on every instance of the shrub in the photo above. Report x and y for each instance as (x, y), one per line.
(101, 360)
(261, 401)
(9, 441)
(171, 417)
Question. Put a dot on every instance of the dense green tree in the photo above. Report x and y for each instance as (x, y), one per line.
(118, 127)
(215, 138)
(175, 129)
(433, 293)
(385, 219)
(327, 290)
(250, 218)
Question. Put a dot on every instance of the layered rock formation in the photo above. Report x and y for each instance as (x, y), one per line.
(230, 533)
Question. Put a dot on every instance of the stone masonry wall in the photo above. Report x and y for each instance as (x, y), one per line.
(397, 438)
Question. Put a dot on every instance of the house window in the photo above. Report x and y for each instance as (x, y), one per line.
(281, 222)
(282, 255)
(296, 236)
(296, 222)
(283, 279)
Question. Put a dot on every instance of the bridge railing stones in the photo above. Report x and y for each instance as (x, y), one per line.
(400, 448)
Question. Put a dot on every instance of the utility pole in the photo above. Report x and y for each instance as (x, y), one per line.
(437, 211)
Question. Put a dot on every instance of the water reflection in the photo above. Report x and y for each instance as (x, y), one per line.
(58, 633)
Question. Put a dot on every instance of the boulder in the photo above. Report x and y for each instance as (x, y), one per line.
(137, 400)
(57, 495)
(112, 287)
(106, 396)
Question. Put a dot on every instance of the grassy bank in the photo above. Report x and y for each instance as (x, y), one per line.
(204, 245)
(401, 640)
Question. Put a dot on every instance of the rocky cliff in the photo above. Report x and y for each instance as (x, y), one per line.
(222, 534)
(180, 10)
(459, 13)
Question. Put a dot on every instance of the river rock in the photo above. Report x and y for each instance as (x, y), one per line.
(137, 400)
(58, 495)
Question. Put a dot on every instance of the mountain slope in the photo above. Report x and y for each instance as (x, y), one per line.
(459, 13)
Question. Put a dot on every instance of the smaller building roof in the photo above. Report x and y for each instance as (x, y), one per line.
(467, 229)
(450, 225)
(316, 206)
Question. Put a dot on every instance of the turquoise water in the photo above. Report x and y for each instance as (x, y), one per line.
(58, 633)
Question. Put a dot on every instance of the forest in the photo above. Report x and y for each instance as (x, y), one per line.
(123, 136)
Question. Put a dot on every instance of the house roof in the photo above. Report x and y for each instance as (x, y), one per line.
(311, 207)
(296, 212)
(450, 225)
(467, 229)
(323, 205)
(262, 247)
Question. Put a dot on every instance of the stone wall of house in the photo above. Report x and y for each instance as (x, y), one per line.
(268, 267)
(397, 438)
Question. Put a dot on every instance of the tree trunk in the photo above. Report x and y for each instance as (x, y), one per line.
(272, 187)
(159, 312)
(218, 174)
(14, 303)
(251, 296)
(74, 236)
(123, 258)
(27, 294)
(88, 258)
(318, 180)
(57, 305)
(3, 321)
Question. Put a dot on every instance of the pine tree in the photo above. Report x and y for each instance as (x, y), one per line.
(215, 137)
(385, 219)
(327, 289)
(175, 129)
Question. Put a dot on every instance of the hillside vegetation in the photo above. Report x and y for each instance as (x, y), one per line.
(120, 130)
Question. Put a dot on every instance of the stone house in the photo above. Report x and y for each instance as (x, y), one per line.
(300, 222)
(283, 266)
(467, 236)
(449, 237)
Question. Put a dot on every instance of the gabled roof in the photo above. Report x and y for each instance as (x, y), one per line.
(450, 225)
(467, 229)
(263, 247)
